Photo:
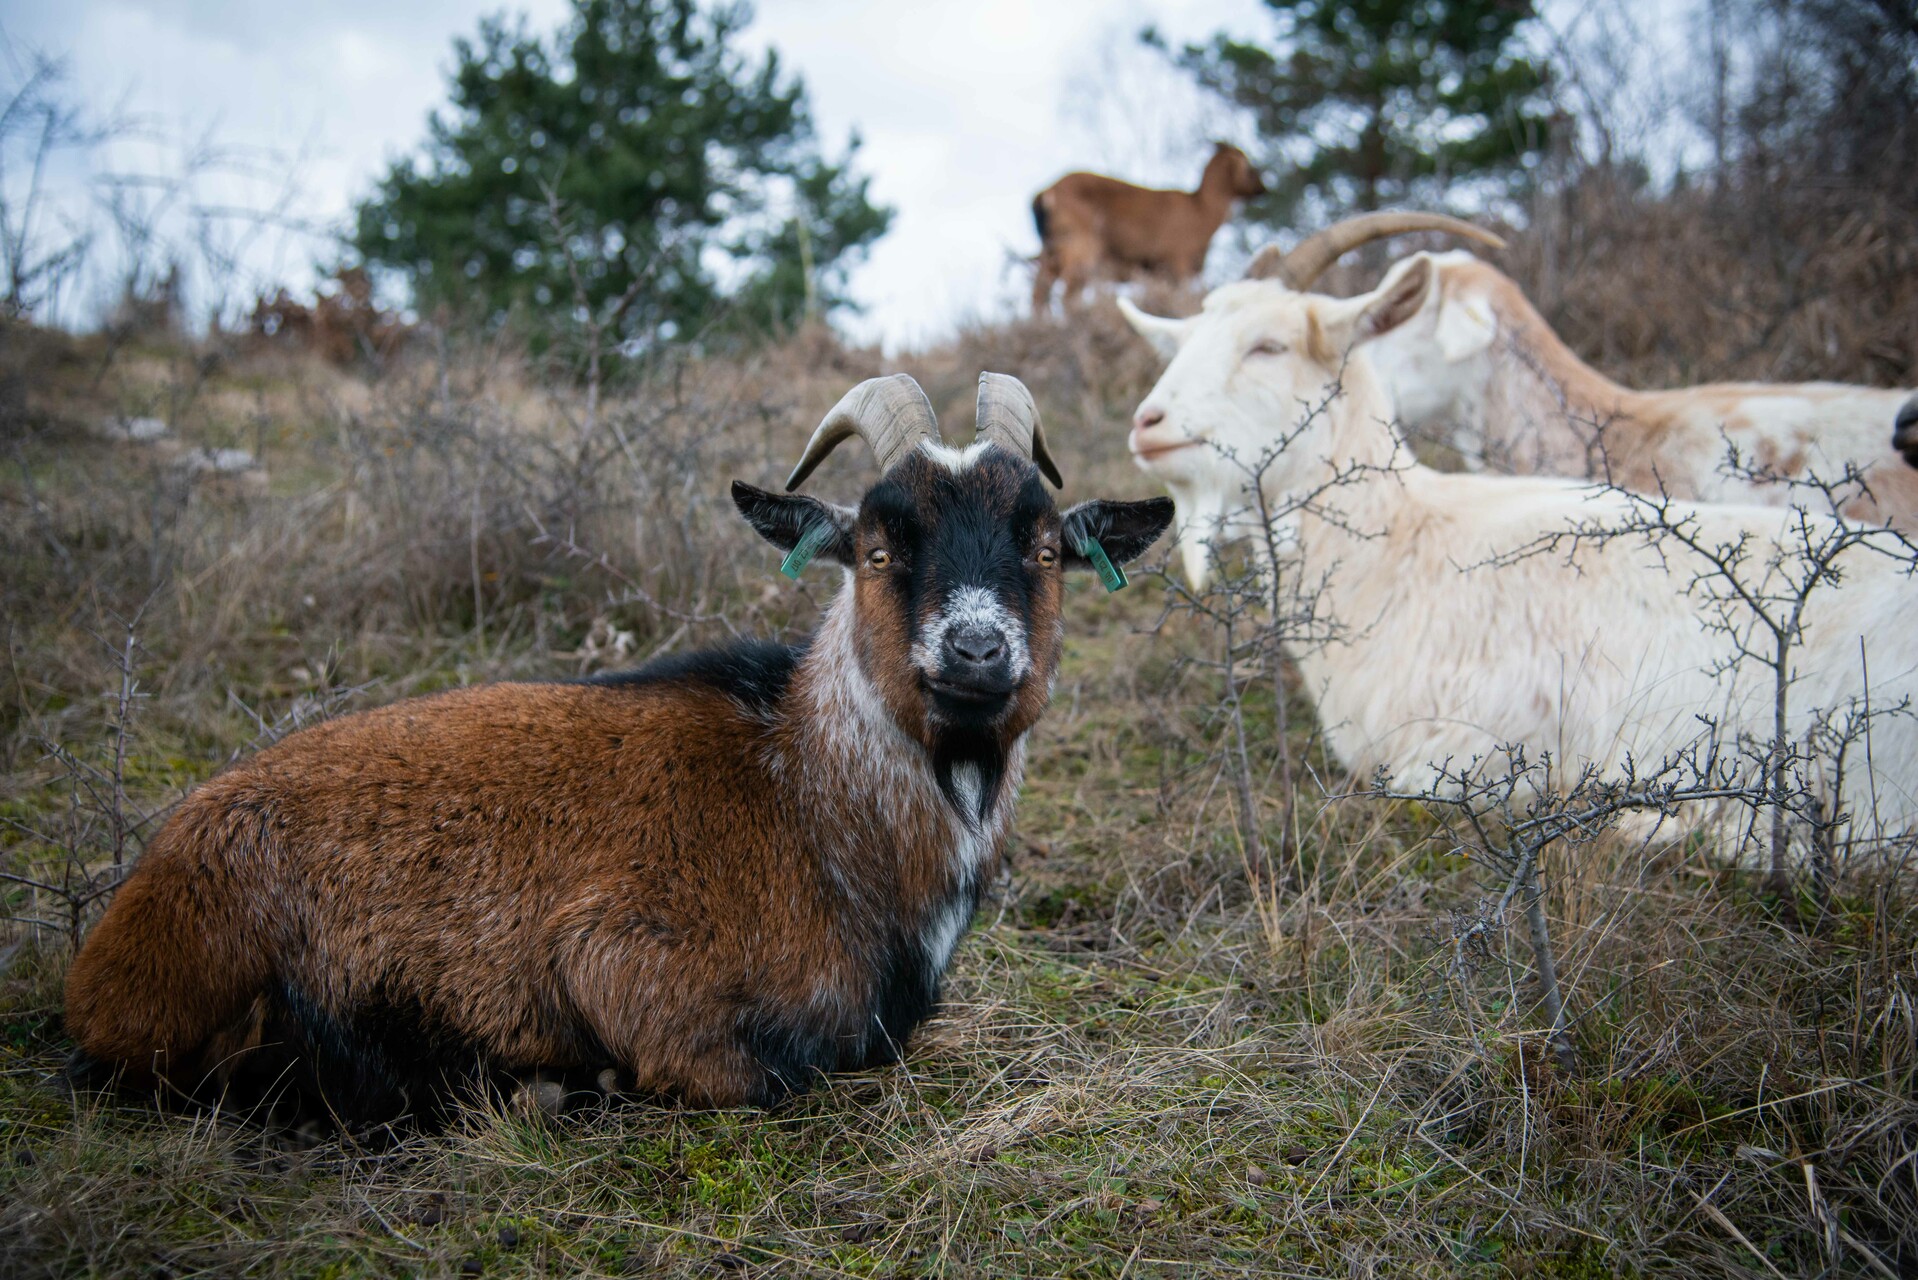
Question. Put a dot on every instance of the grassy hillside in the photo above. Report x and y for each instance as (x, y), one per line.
(1159, 1052)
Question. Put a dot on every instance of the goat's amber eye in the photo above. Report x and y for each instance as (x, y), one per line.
(879, 557)
(1267, 347)
(1047, 557)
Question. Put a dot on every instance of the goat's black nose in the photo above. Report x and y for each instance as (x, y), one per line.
(976, 644)
(1904, 432)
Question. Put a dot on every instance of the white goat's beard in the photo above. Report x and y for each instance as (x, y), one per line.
(1201, 515)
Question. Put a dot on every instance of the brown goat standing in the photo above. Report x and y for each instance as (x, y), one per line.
(1091, 225)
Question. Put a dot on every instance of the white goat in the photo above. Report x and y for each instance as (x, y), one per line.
(1477, 364)
(1596, 656)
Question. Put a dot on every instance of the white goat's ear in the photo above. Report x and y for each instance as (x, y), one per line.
(1334, 327)
(1164, 333)
(1399, 297)
(1465, 327)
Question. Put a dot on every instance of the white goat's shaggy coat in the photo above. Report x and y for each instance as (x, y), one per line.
(1444, 657)
(1477, 365)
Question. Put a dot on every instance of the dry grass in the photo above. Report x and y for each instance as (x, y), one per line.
(1153, 1061)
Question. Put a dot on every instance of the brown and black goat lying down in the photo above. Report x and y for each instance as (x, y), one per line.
(718, 876)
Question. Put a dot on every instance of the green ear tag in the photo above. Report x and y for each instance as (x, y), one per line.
(1109, 573)
(805, 549)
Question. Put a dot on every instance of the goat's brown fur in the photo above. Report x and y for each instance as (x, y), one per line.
(1092, 226)
(490, 860)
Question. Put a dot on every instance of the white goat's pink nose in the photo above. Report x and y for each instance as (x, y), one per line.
(1149, 415)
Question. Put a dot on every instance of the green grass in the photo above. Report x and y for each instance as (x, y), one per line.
(1047, 1124)
(1154, 1058)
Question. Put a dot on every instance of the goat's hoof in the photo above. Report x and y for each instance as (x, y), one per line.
(540, 1099)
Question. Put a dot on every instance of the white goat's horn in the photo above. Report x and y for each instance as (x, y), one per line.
(1008, 417)
(891, 414)
(1311, 256)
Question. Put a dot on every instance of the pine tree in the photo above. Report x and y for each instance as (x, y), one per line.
(1366, 103)
(600, 177)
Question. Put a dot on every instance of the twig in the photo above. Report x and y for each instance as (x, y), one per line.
(1718, 1216)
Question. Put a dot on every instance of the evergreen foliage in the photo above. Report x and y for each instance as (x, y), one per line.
(636, 174)
(1366, 103)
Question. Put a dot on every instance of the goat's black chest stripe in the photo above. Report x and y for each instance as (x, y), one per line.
(954, 752)
(794, 1049)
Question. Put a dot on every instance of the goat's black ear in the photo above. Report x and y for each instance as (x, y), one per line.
(783, 519)
(1124, 529)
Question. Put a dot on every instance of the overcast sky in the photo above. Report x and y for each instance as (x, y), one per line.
(966, 110)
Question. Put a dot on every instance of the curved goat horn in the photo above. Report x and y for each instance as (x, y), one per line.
(891, 414)
(1008, 418)
(1311, 256)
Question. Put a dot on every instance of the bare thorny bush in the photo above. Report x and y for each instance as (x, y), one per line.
(88, 846)
(1760, 597)
(1259, 613)
(70, 860)
(1519, 818)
